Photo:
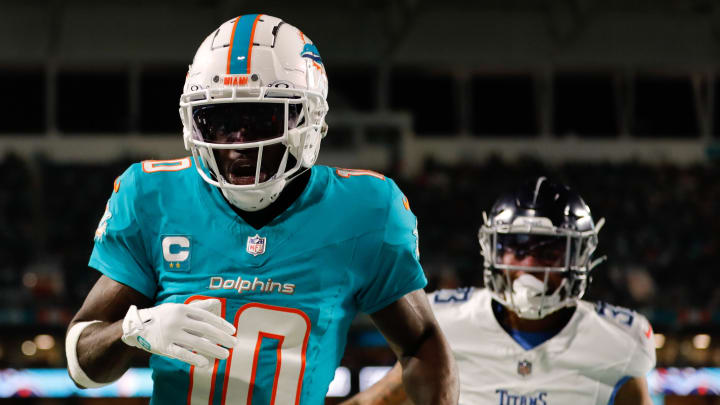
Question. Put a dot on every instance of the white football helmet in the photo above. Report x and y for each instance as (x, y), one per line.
(261, 77)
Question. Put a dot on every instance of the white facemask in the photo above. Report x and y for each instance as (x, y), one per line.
(529, 300)
(256, 199)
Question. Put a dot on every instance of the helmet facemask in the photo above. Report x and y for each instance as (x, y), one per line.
(554, 250)
(256, 124)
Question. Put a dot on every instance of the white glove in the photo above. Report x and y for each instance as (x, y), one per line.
(187, 332)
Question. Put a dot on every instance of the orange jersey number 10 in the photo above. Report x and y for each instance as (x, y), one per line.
(255, 322)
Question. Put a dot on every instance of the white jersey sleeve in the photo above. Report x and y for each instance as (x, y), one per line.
(456, 313)
(451, 307)
(640, 338)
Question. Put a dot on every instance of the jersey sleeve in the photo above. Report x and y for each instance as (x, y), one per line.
(448, 303)
(642, 359)
(634, 342)
(395, 268)
(119, 252)
(440, 306)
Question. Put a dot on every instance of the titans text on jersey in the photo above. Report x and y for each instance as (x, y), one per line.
(291, 288)
(585, 363)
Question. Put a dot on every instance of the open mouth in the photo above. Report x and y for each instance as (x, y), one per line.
(242, 172)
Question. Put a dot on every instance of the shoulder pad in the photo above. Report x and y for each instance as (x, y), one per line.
(636, 327)
(627, 319)
(365, 184)
(161, 174)
(371, 193)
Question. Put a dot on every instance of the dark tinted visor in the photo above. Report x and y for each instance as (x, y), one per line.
(240, 122)
(548, 249)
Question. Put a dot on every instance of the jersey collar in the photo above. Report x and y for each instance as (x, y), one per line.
(213, 200)
(558, 343)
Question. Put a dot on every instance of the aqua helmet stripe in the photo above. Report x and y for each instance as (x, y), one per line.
(241, 44)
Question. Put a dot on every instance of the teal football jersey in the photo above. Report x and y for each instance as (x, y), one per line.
(292, 287)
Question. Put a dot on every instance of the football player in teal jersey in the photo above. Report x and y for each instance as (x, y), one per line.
(241, 267)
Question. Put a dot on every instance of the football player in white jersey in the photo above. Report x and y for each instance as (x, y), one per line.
(527, 337)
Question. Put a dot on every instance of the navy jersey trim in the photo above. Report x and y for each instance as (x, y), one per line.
(616, 388)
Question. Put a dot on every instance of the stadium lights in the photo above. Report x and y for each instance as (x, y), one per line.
(137, 382)
(28, 348)
(659, 340)
(44, 342)
(370, 375)
(340, 385)
(701, 341)
(30, 280)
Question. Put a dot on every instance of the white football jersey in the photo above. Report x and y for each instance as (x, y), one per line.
(582, 364)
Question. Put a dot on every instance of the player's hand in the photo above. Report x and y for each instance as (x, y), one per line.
(190, 333)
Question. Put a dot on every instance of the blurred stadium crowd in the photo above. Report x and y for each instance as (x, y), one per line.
(661, 240)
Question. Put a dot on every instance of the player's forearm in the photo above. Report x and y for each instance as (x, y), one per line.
(102, 355)
(430, 375)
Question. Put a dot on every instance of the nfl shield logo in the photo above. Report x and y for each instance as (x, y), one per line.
(524, 368)
(256, 245)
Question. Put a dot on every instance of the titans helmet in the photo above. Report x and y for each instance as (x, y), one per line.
(257, 75)
(552, 223)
